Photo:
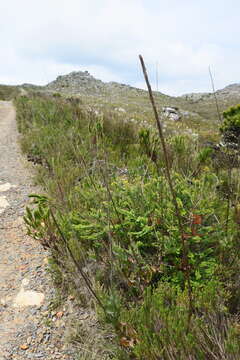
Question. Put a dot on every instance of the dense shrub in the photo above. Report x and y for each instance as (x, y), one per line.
(231, 125)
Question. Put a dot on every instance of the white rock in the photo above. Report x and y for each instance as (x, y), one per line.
(3, 204)
(28, 298)
(6, 187)
(174, 117)
(120, 110)
(171, 113)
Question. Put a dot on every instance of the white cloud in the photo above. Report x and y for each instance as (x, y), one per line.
(43, 71)
(41, 39)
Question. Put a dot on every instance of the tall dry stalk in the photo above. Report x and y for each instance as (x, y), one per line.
(185, 261)
(214, 94)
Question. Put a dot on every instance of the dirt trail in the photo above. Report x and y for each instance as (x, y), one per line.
(27, 329)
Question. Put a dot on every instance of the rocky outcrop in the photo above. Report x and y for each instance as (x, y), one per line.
(77, 82)
(83, 83)
(172, 113)
(230, 91)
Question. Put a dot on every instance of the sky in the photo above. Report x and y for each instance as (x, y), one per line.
(179, 40)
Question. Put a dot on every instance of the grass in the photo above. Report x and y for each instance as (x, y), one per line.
(8, 92)
(108, 218)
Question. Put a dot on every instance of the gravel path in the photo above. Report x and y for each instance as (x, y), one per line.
(28, 329)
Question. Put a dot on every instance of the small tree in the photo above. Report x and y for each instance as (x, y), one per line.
(230, 128)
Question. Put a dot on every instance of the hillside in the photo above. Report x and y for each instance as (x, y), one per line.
(196, 112)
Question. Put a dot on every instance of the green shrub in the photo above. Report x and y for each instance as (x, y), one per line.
(56, 95)
(231, 125)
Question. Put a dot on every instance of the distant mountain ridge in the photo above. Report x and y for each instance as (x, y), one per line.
(82, 82)
(232, 90)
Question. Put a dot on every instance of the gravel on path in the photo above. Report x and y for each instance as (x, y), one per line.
(28, 330)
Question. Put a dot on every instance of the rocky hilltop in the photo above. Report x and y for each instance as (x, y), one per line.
(77, 82)
(83, 83)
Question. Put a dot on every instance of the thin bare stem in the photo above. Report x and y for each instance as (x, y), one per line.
(186, 269)
(214, 94)
(228, 200)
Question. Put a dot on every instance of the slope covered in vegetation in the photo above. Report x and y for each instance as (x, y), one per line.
(8, 92)
(108, 218)
(197, 110)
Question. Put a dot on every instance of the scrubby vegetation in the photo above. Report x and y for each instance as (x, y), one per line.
(8, 92)
(108, 217)
(231, 125)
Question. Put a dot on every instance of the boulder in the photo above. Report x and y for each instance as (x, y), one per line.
(171, 113)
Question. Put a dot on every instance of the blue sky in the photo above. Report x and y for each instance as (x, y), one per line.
(42, 39)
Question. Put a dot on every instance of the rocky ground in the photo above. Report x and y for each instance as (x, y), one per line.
(29, 327)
